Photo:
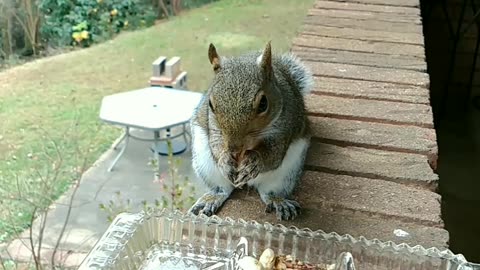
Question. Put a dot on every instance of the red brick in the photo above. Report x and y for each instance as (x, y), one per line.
(160, 81)
(370, 110)
(367, 7)
(365, 73)
(362, 34)
(365, 15)
(396, 27)
(409, 139)
(356, 45)
(248, 206)
(410, 169)
(371, 196)
(371, 90)
(368, 169)
(403, 3)
(360, 58)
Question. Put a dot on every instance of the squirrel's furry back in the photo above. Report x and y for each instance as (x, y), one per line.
(301, 76)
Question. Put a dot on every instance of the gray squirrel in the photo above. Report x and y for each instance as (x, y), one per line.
(251, 128)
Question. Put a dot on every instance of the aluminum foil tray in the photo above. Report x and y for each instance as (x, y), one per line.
(172, 240)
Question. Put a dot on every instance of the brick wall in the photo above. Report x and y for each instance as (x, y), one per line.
(370, 169)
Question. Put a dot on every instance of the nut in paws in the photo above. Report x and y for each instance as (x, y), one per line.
(247, 171)
(228, 168)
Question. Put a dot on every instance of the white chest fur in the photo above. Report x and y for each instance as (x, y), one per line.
(279, 180)
(273, 181)
(203, 163)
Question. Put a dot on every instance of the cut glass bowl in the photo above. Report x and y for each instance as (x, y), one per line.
(172, 240)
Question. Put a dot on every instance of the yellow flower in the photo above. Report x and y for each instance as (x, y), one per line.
(99, 1)
(77, 36)
(125, 24)
(94, 10)
(114, 12)
(84, 34)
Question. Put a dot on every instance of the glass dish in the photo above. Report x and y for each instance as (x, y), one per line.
(172, 240)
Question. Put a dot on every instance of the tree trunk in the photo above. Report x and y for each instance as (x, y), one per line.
(162, 8)
(8, 36)
(32, 18)
(6, 28)
(174, 7)
(3, 46)
(4, 51)
(179, 6)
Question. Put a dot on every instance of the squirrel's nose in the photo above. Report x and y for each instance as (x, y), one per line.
(235, 149)
(236, 155)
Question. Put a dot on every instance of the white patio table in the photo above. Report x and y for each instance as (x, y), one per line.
(152, 109)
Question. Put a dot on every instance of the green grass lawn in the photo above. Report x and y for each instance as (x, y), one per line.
(57, 99)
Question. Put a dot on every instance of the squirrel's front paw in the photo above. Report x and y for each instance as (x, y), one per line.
(209, 203)
(248, 170)
(228, 168)
(285, 209)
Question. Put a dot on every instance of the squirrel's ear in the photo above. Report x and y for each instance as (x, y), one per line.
(213, 57)
(266, 60)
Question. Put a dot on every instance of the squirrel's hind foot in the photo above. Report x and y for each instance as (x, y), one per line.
(210, 202)
(285, 209)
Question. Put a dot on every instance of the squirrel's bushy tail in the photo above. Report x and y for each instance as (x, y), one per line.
(301, 75)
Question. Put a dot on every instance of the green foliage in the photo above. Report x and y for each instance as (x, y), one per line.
(116, 206)
(62, 23)
(83, 22)
(174, 185)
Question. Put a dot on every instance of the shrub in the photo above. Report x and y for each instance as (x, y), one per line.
(83, 22)
(31, 27)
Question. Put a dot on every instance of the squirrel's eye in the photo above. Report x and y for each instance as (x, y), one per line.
(211, 106)
(263, 105)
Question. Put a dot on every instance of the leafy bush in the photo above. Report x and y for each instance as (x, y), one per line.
(32, 27)
(82, 22)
